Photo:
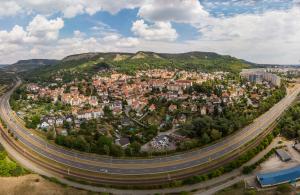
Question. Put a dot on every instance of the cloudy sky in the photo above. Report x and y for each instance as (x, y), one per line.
(263, 31)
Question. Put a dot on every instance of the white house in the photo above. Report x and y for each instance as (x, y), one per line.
(45, 125)
(85, 115)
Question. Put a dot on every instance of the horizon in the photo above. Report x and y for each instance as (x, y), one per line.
(256, 31)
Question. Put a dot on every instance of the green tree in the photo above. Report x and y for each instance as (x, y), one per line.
(215, 134)
(106, 149)
(116, 150)
(205, 139)
(50, 134)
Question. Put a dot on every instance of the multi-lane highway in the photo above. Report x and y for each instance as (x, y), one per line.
(103, 165)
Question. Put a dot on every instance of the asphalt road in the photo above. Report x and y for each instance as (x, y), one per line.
(103, 164)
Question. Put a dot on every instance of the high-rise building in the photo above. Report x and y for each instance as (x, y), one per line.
(259, 75)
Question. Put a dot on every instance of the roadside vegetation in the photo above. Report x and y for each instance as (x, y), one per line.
(289, 125)
(250, 168)
(9, 167)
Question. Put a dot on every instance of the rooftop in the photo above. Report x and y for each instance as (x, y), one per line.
(279, 177)
(284, 156)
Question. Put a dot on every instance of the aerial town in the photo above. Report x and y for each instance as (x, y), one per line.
(150, 97)
(126, 106)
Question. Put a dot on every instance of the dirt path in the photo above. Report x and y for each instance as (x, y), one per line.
(34, 185)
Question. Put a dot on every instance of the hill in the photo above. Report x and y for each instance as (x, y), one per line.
(28, 65)
(89, 63)
(2, 65)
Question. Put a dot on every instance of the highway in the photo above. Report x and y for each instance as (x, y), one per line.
(141, 166)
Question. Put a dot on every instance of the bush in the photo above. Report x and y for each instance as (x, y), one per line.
(17, 171)
(7, 167)
(185, 193)
(284, 188)
(248, 169)
(3, 155)
(250, 192)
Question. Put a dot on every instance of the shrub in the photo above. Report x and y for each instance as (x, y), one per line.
(247, 169)
(3, 155)
(284, 188)
(250, 192)
(17, 171)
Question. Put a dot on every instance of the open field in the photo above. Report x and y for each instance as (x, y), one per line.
(33, 184)
(30, 184)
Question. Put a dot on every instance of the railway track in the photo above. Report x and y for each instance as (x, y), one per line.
(202, 169)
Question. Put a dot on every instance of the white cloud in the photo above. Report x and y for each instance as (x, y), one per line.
(297, 2)
(73, 10)
(39, 30)
(127, 42)
(267, 37)
(271, 37)
(82, 44)
(153, 10)
(42, 29)
(267, 26)
(15, 36)
(68, 8)
(22, 43)
(186, 11)
(9, 8)
(94, 6)
(40, 39)
(119, 41)
(157, 31)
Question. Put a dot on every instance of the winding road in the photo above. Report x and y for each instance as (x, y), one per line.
(110, 167)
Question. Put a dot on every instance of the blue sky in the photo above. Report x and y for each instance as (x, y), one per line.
(264, 31)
